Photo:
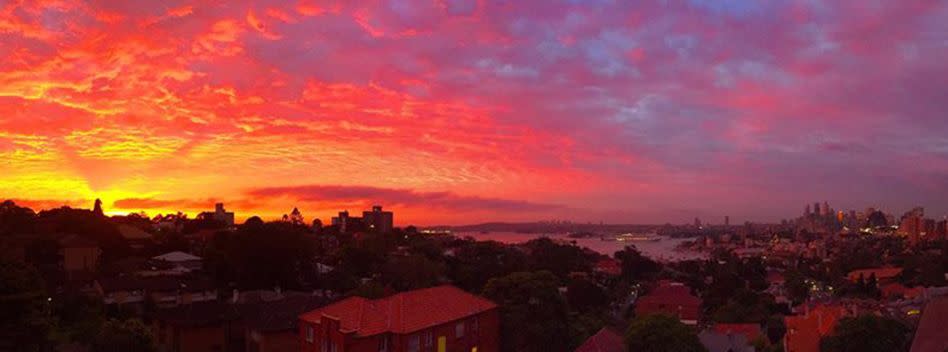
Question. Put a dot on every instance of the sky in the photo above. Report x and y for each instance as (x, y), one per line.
(464, 111)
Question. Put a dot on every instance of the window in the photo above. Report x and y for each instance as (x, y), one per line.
(414, 343)
(332, 347)
(429, 338)
(459, 330)
(309, 333)
(324, 347)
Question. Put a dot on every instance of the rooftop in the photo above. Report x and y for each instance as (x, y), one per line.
(155, 283)
(931, 336)
(403, 312)
(605, 340)
(177, 256)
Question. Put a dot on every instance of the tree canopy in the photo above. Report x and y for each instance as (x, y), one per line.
(661, 333)
(868, 333)
(533, 313)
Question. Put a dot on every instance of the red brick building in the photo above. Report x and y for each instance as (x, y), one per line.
(436, 319)
(805, 331)
(670, 298)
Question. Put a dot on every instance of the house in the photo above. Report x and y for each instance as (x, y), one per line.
(606, 340)
(608, 267)
(136, 238)
(80, 255)
(203, 326)
(670, 298)
(751, 332)
(715, 341)
(181, 259)
(442, 318)
(273, 326)
(258, 321)
(896, 290)
(930, 335)
(884, 275)
(805, 331)
(163, 291)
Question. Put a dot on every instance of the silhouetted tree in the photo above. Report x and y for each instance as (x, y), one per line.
(636, 266)
(97, 208)
(584, 295)
(15, 219)
(24, 318)
(261, 255)
(559, 259)
(296, 217)
(661, 333)
(474, 263)
(868, 333)
(533, 313)
(253, 221)
(121, 336)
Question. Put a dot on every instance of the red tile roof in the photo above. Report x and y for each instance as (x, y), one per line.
(670, 298)
(750, 331)
(931, 336)
(402, 313)
(805, 331)
(775, 277)
(605, 340)
(885, 273)
(608, 266)
(898, 290)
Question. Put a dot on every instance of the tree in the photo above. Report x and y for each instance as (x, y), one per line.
(412, 272)
(533, 313)
(254, 221)
(474, 263)
(120, 336)
(745, 306)
(23, 306)
(584, 295)
(636, 266)
(97, 208)
(661, 333)
(85, 223)
(296, 217)
(868, 333)
(559, 259)
(15, 219)
(261, 255)
(797, 288)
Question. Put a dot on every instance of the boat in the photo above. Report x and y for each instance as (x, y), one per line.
(631, 237)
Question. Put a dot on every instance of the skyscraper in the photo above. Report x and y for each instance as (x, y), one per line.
(378, 220)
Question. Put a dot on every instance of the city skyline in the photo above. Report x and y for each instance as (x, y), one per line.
(460, 112)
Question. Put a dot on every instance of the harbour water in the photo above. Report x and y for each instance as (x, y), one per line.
(662, 250)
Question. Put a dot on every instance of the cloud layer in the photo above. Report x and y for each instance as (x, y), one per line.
(639, 111)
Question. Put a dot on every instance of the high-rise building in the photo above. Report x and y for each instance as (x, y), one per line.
(342, 221)
(219, 214)
(378, 220)
(697, 223)
(911, 227)
(727, 221)
(806, 212)
(825, 209)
